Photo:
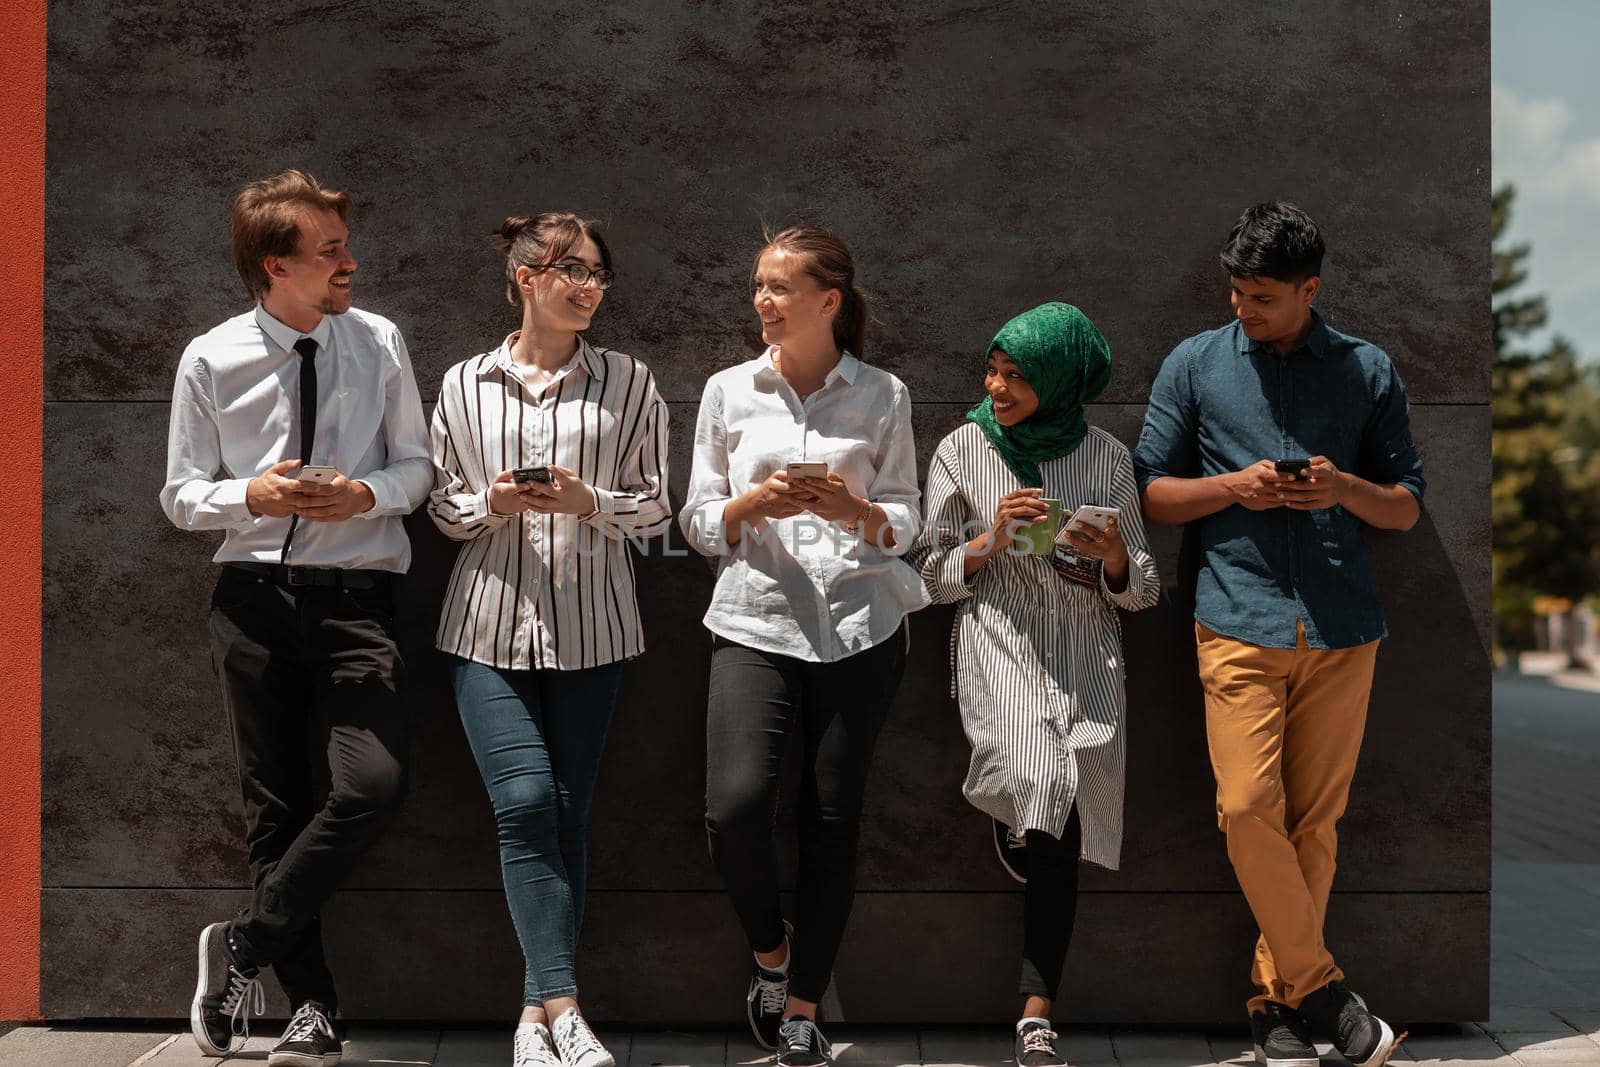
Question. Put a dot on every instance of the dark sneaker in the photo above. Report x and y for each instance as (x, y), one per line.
(1036, 1045)
(767, 997)
(576, 1043)
(1360, 1036)
(307, 1041)
(801, 1044)
(1282, 1038)
(1012, 848)
(225, 995)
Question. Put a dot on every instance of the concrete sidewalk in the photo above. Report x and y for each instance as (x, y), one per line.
(1545, 952)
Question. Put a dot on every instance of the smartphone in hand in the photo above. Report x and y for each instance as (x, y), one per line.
(316, 475)
(1294, 468)
(523, 475)
(1092, 516)
(819, 471)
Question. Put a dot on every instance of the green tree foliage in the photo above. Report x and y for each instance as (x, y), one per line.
(1546, 450)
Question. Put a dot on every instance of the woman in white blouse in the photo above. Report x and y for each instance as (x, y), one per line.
(1037, 647)
(808, 613)
(551, 456)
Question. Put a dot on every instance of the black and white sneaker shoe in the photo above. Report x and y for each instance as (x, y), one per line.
(768, 996)
(577, 1044)
(1281, 1037)
(534, 1047)
(801, 1044)
(308, 1040)
(225, 995)
(1012, 848)
(1360, 1036)
(1036, 1045)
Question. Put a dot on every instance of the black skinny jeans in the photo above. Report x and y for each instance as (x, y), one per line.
(1049, 907)
(756, 699)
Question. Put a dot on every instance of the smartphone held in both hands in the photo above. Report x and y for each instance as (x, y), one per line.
(799, 470)
(523, 475)
(316, 475)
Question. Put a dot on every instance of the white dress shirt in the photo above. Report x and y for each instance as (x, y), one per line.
(548, 591)
(236, 412)
(802, 586)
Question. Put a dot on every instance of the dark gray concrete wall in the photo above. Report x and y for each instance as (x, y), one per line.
(979, 160)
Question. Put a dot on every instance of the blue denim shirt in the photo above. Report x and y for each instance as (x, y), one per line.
(1222, 402)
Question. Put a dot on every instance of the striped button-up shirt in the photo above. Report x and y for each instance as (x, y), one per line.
(548, 591)
(1038, 658)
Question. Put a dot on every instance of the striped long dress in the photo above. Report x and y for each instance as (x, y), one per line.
(1037, 659)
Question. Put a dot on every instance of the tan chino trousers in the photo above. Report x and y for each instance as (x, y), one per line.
(1284, 727)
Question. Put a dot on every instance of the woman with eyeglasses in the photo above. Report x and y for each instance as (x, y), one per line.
(551, 456)
(1037, 647)
(804, 489)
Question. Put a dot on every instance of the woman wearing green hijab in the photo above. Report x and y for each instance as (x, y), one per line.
(1037, 648)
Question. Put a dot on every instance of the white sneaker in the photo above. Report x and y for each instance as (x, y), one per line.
(577, 1044)
(532, 1047)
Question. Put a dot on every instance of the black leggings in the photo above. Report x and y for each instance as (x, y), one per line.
(756, 698)
(1049, 907)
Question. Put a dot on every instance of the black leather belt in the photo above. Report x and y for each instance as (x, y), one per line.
(315, 577)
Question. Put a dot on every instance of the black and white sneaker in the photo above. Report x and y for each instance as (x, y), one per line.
(225, 995)
(1281, 1037)
(577, 1044)
(308, 1040)
(768, 996)
(1360, 1036)
(1036, 1045)
(801, 1044)
(1012, 848)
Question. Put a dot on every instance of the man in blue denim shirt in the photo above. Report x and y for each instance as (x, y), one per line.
(1282, 439)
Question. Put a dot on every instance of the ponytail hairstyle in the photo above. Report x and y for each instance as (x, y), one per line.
(537, 240)
(825, 257)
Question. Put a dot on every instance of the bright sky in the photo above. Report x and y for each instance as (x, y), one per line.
(1546, 113)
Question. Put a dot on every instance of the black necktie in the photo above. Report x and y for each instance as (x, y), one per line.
(307, 348)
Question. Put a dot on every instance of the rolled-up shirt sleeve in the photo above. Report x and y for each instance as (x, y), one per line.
(198, 493)
(709, 492)
(894, 488)
(407, 475)
(639, 505)
(1388, 455)
(458, 506)
(1169, 441)
(1144, 584)
(939, 554)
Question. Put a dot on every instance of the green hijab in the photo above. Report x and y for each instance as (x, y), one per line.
(1067, 362)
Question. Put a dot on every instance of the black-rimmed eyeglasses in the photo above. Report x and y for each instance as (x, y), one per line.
(579, 274)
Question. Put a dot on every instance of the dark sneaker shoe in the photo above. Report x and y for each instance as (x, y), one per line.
(767, 997)
(225, 995)
(308, 1040)
(801, 1044)
(1036, 1045)
(1360, 1036)
(1012, 849)
(1282, 1038)
(576, 1043)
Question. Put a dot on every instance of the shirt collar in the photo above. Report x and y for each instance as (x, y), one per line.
(1316, 340)
(285, 336)
(586, 357)
(847, 368)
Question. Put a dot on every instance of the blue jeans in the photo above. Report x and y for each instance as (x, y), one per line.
(537, 737)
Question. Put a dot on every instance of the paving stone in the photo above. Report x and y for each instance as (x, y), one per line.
(392, 1046)
(1557, 1056)
(854, 1047)
(1134, 1049)
(1526, 1020)
(970, 1048)
(1474, 1046)
(474, 1048)
(670, 1049)
(35, 1046)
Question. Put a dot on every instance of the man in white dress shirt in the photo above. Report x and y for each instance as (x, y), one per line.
(297, 430)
